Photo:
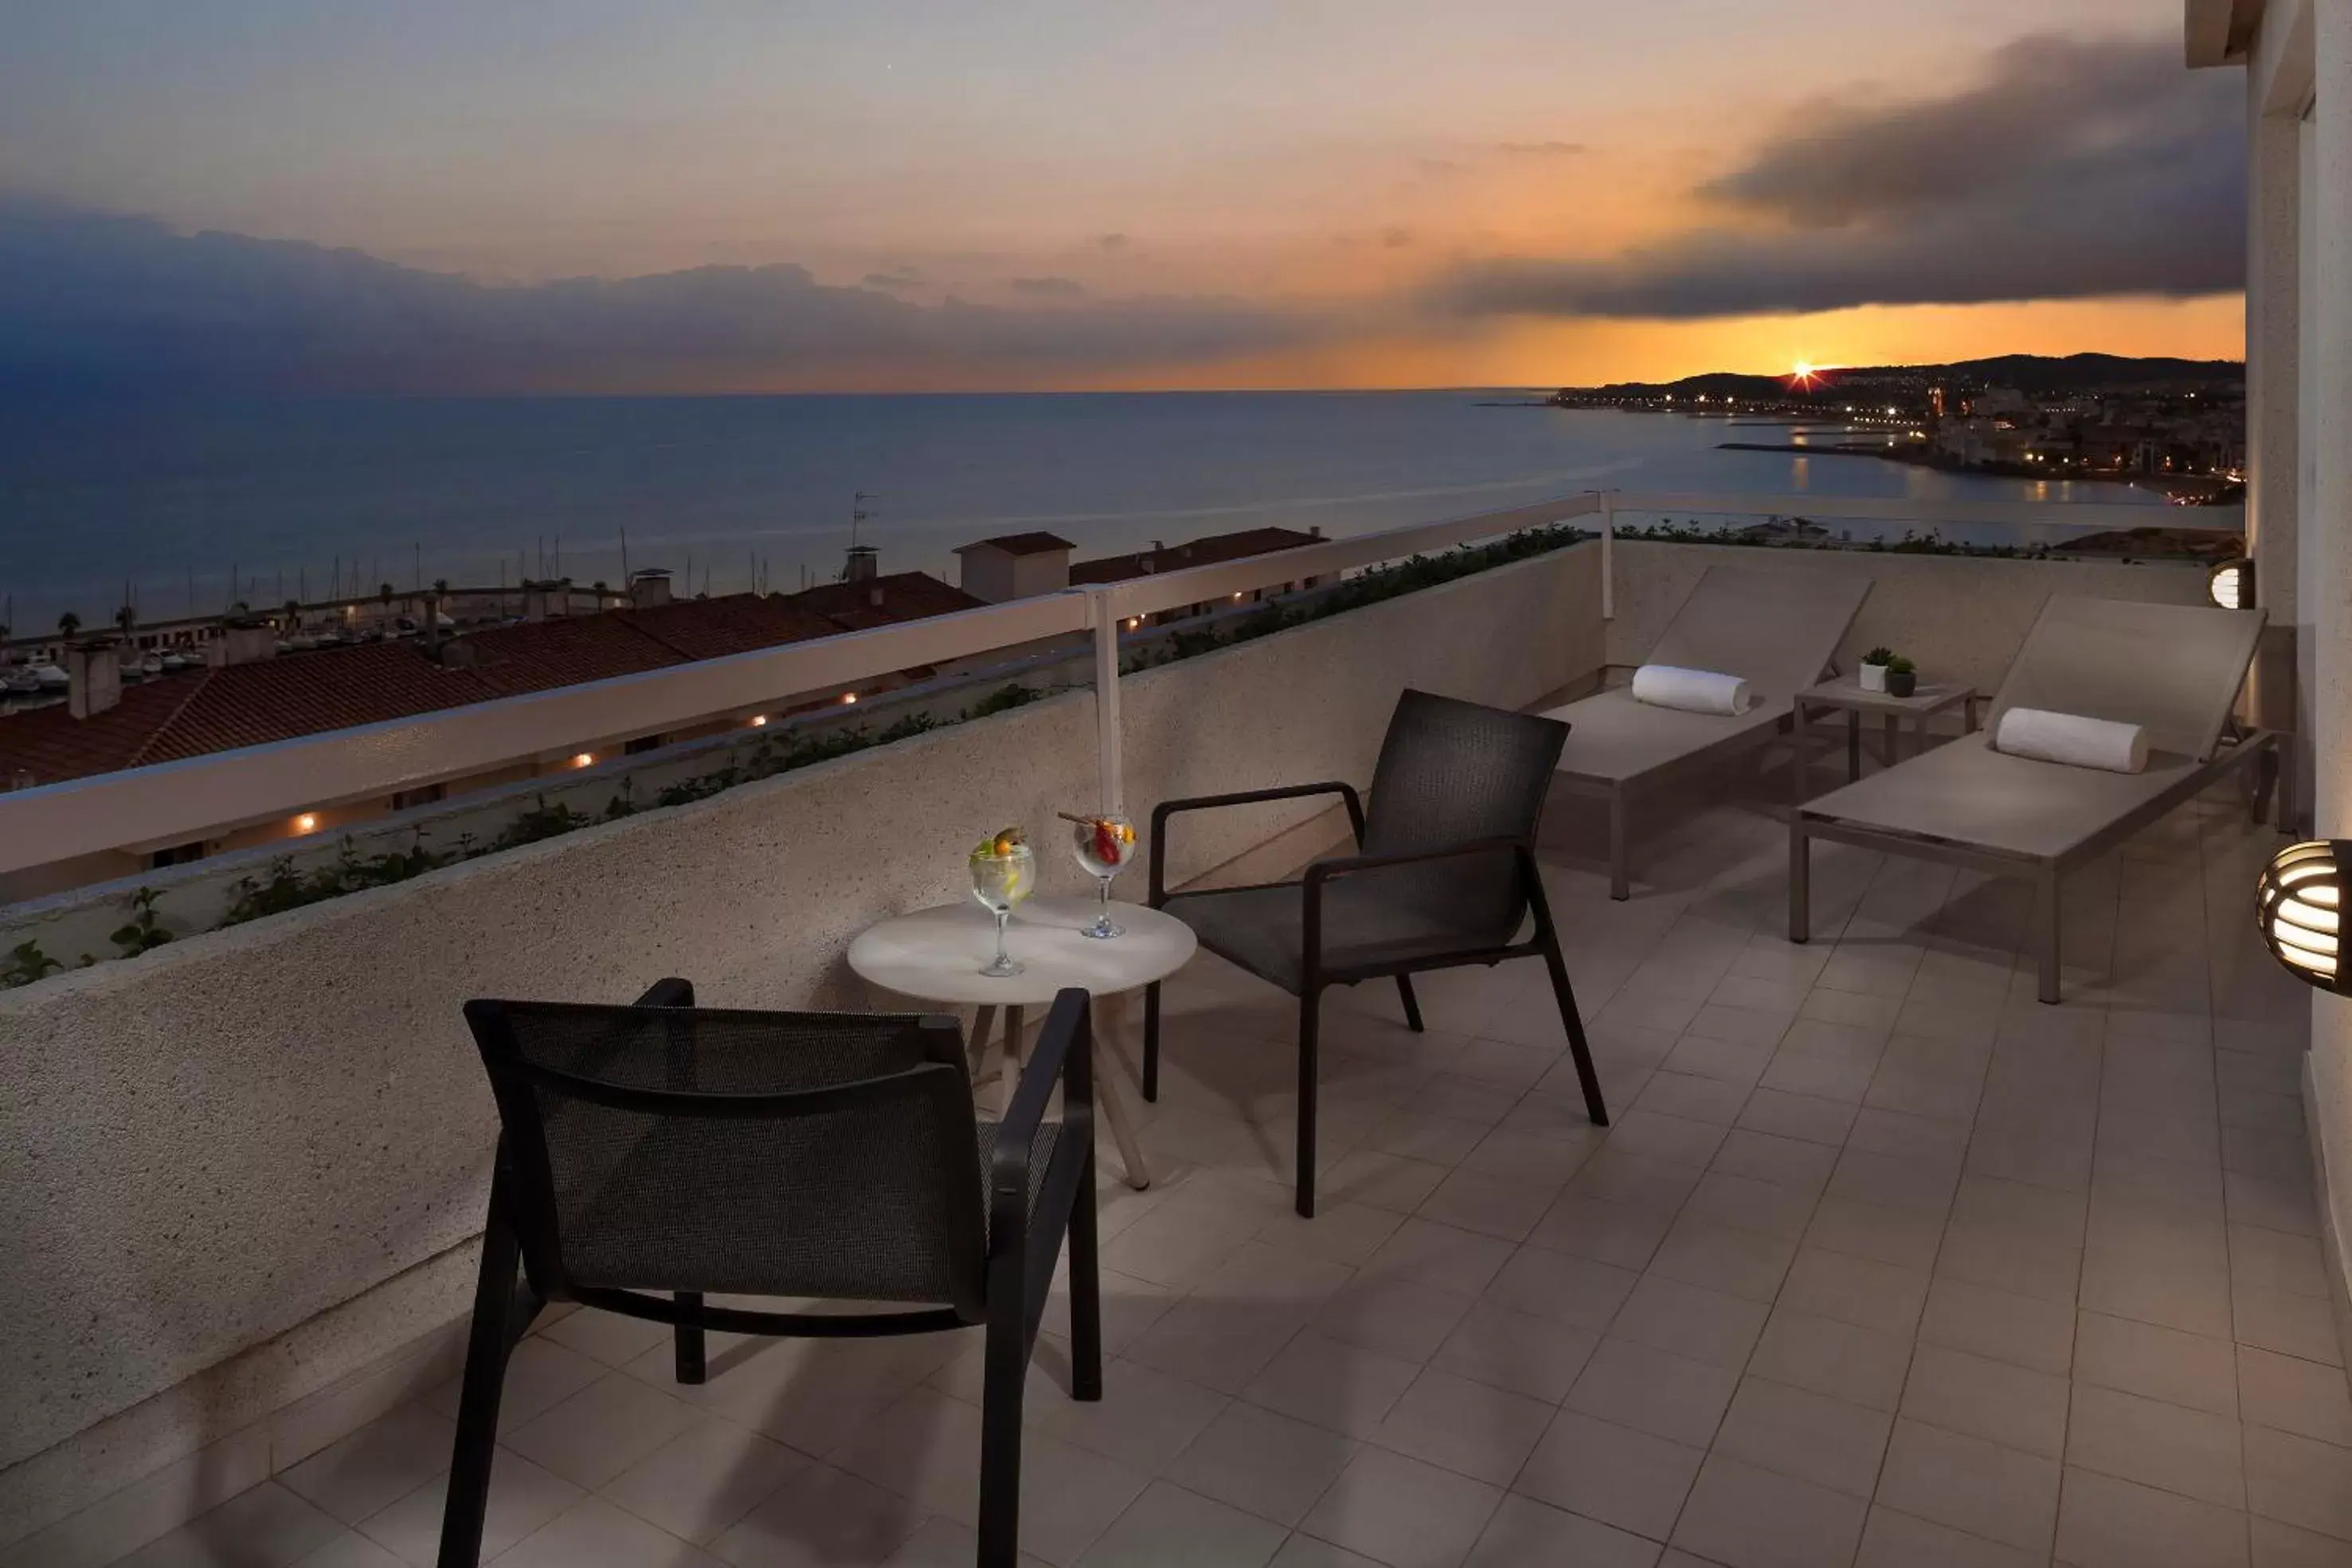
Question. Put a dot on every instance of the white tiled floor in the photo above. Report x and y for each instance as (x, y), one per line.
(1883, 1263)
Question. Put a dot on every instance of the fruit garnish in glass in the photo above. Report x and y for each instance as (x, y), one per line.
(1103, 844)
(1004, 873)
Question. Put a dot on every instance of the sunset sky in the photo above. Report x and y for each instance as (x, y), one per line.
(1056, 193)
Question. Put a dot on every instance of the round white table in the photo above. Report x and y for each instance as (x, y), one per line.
(935, 955)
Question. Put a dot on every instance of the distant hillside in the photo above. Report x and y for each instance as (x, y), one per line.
(2036, 373)
(2027, 372)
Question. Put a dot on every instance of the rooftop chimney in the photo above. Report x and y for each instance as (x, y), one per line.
(864, 564)
(548, 596)
(241, 643)
(873, 597)
(94, 678)
(649, 586)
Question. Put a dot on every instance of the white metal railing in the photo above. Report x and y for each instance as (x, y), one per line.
(175, 801)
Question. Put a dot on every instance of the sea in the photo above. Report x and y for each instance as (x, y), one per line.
(184, 507)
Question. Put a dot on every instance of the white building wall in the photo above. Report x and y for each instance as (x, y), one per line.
(2273, 328)
(2328, 342)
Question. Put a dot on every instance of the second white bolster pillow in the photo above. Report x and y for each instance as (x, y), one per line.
(2072, 739)
(1693, 691)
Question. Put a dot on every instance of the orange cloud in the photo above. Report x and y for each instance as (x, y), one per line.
(1581, 353)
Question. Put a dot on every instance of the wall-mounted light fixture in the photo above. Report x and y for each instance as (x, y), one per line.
(759, 721)
(585, 760)
(2299, 903)
(2232, 584)
(307, 822)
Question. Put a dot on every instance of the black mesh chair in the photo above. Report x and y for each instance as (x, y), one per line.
(1446, 876)
(653, 1155)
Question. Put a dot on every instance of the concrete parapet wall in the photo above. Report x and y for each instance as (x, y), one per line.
(1958, 617)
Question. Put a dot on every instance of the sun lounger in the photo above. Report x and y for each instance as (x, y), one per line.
(1775, 630)
(2173, 669)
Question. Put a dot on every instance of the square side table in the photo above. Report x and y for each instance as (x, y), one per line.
(1846, 694)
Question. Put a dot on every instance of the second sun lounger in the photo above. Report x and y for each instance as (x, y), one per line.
(2173, 669)
(1775, 630)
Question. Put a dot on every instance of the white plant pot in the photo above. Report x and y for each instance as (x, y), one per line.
(1874, 677)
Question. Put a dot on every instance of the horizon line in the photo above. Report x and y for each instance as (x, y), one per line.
(120, 395)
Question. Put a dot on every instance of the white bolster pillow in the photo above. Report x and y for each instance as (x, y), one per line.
(2072, 739)
(1693, 691)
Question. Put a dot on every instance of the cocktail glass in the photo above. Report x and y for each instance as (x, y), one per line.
(1103, 846)
(1002, 876)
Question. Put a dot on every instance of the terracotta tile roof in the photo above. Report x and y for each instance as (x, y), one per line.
(311, 693)
(1195, 552)
(737, 623)
(563, 651)
(281, 699)
(51, 744)
(1021, 544)
(904, 596)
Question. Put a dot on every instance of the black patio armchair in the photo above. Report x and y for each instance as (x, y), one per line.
(1445, 875)
(656, 1155)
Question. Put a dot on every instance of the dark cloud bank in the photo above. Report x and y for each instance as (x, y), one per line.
(106, 302)
(2075, 168)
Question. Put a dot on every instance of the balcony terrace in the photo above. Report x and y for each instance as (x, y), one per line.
(1881, 1261)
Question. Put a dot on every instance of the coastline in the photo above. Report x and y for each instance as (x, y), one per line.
(2183, 490)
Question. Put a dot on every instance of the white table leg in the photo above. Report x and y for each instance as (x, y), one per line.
(984, 1018)
(1110, 1011)
(1011, 1060)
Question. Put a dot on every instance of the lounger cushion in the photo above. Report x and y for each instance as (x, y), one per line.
(1613, 739)
(1968, 793)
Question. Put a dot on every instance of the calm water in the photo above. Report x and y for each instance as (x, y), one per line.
(174, 497)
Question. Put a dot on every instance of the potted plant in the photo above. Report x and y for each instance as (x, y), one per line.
(1874, 669)
(1902, 676)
